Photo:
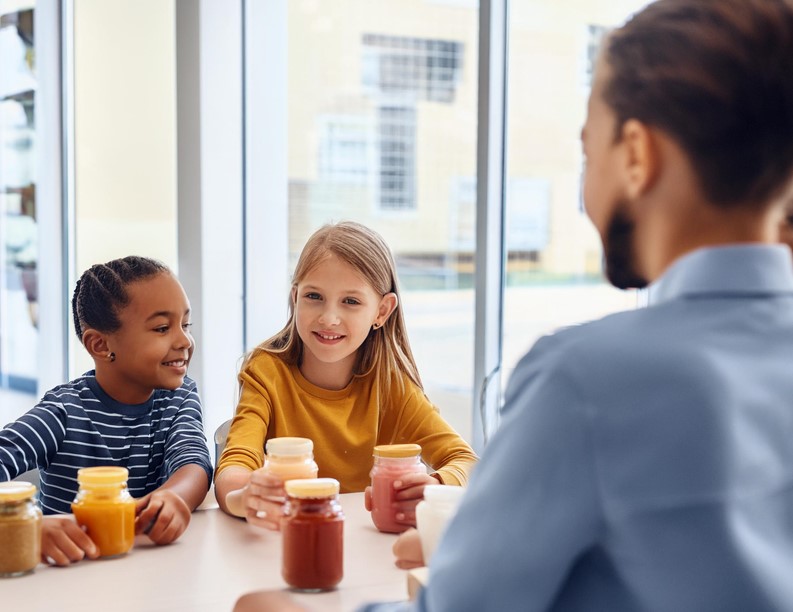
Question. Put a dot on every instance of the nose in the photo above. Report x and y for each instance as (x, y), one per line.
(328, 316)
(183, 338)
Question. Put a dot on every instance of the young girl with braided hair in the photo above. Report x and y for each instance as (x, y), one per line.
(340, 372)
(136, 409)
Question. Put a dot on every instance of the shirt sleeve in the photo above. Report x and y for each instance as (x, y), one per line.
(532, 507)
(442, 448)
(32, 440)
(186, 443)
(245, 441)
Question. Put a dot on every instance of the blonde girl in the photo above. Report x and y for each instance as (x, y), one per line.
(341, 373)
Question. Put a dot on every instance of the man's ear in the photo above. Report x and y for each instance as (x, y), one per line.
(95, 342)
(642, 162)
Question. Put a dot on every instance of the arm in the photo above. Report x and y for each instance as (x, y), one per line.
(165, 513)
(416, 420)
(31, 440)
(442, 448)
(243, 452)
(533, 506)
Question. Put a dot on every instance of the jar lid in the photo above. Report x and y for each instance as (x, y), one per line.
(102, 475)
(443, 494)
(397, 450)
(289, 446)
(312, 487)
(16, 490)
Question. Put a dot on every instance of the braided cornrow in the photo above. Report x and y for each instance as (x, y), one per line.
(101, 292)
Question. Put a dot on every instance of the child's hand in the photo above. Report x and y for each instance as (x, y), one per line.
(263, 499)
(407, 550)
(409, 491)
(63, 541)
(162, 515)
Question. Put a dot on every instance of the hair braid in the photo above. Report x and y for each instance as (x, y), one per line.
(101, 292)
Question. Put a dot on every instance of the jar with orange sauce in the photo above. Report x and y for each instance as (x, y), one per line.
(313, 535)
(20, 529)
(105, 508)
(290, 458)
(391, 462)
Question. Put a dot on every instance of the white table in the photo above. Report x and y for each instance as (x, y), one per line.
(215, 561)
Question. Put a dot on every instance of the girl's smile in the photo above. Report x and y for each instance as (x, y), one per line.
(335, 309)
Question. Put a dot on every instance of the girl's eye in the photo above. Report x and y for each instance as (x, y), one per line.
(187, 326)
(313, 296)
(162, 329)
(352, 301)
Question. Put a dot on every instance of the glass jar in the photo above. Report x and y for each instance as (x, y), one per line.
(391, 462)
(313, 535)
(20, 529)
(105, 508)
(290, 458)
(433, 513)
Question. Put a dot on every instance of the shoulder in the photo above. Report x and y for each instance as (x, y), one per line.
(601, 359)
(615, 340)
(73, 393)
(263, 362)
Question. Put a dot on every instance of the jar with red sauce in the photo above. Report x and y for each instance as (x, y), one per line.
(313, 535)
(391, 462)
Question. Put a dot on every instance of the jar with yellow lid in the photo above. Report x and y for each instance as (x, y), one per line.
(290, 458)
(20, 529)
(391, 463)
(106, 509)
(313, 535)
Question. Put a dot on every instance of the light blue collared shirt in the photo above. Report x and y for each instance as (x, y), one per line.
(644, 461)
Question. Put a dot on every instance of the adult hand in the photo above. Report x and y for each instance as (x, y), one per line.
(407, 550)
(162, 515)
(64, 542)
(263, 499)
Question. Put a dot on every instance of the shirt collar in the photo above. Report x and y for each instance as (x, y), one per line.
(736, 269)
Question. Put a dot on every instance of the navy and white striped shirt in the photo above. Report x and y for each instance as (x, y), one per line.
(78, 425)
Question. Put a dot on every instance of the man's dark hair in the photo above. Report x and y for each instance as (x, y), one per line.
(101, 292)
(717, 76)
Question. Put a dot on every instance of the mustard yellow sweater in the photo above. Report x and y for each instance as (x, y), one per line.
(276, 400)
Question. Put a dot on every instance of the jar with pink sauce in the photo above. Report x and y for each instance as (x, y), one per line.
(391, 462)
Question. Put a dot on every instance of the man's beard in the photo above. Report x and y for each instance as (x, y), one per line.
(620, 261)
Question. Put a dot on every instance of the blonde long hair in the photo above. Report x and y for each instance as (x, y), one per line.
(386, 350)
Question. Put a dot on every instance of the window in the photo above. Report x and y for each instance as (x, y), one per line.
(19, 316)
(382, 130)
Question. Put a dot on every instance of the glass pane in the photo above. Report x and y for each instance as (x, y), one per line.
(18, 229)
(554, 274)
(382, 130)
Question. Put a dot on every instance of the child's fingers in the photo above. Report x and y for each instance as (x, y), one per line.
(141, 503)
(166, 528)
(265, 514)
(367, 498)
(67, 544)
(148, 516)
(414, 492)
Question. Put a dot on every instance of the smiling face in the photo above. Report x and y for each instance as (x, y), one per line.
(153, 346)
(334, 312)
